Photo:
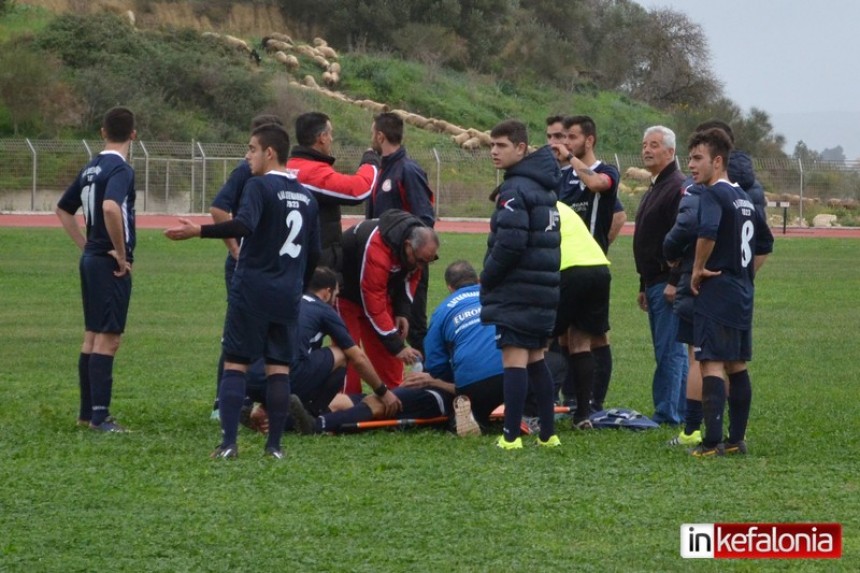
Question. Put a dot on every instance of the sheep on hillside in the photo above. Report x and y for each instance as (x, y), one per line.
(290, 61)
(638, 174)
(327, 52)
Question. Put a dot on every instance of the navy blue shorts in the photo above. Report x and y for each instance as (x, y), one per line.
(248, 337)
(105, 296)
(423, 402)
(309, 373)
(720, 343)
(685, 331)
(508, 337)
(584, 300)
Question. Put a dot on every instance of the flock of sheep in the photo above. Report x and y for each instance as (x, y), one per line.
(283, 50)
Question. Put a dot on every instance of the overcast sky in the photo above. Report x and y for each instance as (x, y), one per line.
(792, 59)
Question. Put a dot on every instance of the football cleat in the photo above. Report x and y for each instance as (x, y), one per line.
(551, 442)
(464, 420)
(109, 426)
(276, 453)
(736, 448)
(701, 451)
(506, 445)
(222, 452)
(303, 422)
(690, 440)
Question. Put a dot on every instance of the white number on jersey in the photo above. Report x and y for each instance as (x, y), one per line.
(88, 201)
(294, 224)
(747, 232)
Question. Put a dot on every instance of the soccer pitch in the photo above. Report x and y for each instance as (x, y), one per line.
(420, 500)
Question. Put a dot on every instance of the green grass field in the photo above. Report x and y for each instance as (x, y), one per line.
(71, 500)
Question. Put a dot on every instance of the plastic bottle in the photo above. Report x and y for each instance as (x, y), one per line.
(418, 366)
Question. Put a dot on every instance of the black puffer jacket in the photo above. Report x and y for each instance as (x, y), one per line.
(519, 283)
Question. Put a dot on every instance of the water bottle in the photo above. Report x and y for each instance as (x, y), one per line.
(417, 366)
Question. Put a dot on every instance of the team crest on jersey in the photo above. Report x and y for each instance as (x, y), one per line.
(386, 185)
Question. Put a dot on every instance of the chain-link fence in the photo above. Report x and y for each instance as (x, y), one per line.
(184, 177)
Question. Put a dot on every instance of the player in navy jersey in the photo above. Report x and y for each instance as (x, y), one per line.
(590, 187)
(319, 371)
(733, 242)
(224, 206)
(104, 190)
(278, 223)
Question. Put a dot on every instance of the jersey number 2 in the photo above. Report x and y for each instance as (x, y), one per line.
(294, 225)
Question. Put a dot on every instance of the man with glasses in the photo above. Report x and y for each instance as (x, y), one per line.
(383, 261)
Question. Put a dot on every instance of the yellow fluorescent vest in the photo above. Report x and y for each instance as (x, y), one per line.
(578, 247)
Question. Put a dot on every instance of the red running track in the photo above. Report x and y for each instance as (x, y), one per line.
(448, 225)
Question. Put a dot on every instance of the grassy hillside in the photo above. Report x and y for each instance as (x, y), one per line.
(158, 71)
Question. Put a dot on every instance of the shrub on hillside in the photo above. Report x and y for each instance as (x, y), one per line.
(182, 85)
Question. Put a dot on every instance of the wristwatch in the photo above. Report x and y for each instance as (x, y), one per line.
(569, 156)
(380, 390)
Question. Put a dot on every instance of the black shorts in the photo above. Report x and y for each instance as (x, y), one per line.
(486, 395)
(720, 343)
(105, 296)
(423, 402)
(509, 337)
(685, 331)
(584, 300)
(248, 337)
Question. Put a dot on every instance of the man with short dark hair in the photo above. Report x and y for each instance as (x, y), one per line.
(462, 350)
(589, 187)
(383, 261)
(519, 283)
(279, 222)
(733, 242)
(402, 184)
(312, 162)
(224, 207)
(104, 189)
(654, 218)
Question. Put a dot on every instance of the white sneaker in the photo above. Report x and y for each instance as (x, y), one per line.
(464, 421)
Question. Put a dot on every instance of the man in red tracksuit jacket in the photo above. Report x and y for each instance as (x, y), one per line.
(311, 162)
(383, 261)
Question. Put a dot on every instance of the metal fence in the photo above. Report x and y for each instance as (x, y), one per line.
(183, 177)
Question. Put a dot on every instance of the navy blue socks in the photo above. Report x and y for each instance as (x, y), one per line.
(693, 416)
(602, 374)
(231, 395)
(101, 385)
(86, 407)
(516, 384)
(713, 405)
(740, 397)
(581, 366)
(277, 405)
(540, 380)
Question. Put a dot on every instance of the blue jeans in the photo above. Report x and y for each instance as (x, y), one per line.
(669, 386)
